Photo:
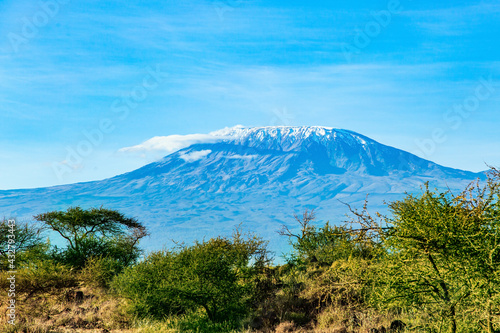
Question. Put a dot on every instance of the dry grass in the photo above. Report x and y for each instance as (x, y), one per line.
(354, 321)
(61, 311)
(57, 310)
(285, 327)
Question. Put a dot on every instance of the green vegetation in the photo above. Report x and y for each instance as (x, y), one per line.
(29, 244)
(445, 255)
(215, 275)
(431, 265)
(97, 232)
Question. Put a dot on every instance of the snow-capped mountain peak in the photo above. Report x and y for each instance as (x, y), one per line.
(208, 183)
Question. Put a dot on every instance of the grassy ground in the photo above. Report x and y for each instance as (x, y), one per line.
(56, 300)
(62, 310)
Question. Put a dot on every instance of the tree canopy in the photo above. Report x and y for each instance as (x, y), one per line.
(95, 232)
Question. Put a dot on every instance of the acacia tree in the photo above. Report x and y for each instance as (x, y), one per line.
(95, 232)
(423, 241)
(445, 253)
(480, 207)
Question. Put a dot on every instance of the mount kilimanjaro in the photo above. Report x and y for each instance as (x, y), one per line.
(257, 177)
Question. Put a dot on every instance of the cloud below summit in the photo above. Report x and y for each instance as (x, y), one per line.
(195, 155)
(171, 143)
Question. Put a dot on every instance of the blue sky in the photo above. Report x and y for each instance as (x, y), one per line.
(99, 76)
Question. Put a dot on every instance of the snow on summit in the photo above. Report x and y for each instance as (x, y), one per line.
(203, 185)
(287, 135)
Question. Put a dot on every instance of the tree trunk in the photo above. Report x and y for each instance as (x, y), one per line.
(490, 319)
(453, 320)
(209, 313)
(446, 295)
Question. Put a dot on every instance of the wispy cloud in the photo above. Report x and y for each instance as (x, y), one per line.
(261, 57)
(195, 155)
(453, 20)
(241, 157)
(171, 143)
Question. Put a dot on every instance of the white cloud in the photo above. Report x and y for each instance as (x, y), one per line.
(171, 143)
(195, 155)
(243, 157)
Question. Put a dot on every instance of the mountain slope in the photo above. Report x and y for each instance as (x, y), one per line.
(258, 177)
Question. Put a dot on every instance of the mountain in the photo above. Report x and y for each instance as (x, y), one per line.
(256, 177)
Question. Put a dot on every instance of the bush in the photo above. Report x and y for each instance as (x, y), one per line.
(198, 322)
(119, 250)
(100, 271)
(215, 275)
(27, 238)
(40, 277)
(327, 244)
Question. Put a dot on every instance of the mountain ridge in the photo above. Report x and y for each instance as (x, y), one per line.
(258, 176)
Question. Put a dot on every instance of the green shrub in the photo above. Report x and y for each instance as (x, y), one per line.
(28, 241)
(197, 322)
(326, 244)
(215, 275)
(40, 277)
(100, 271)
(117, 249)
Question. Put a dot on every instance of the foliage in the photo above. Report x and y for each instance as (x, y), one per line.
(327, 244)
(27, 242)
(40, 277)
(432, 262)
(444, 255)
(93, 233)
(198, 322)
(333, 266)
(118, 249)
(214, 275)
(100, 271)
